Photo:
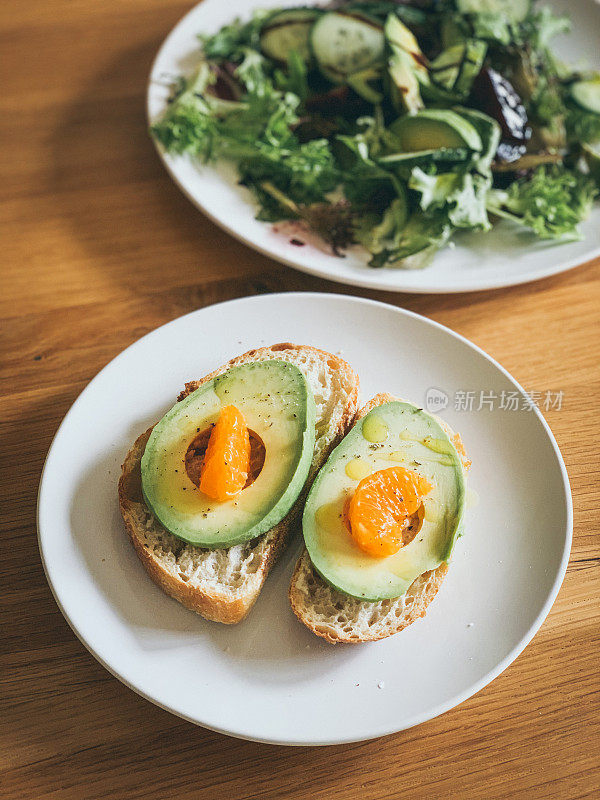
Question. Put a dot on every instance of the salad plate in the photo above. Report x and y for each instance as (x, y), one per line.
(506, 569)
(506, 255)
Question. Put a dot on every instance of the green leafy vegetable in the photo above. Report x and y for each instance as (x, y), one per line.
(190, 125)
(460, 194)
(228, 42)
(331, 150)
(583, 127)
(551, 203)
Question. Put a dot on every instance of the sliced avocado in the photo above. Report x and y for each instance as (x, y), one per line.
(394, 434)
(434, 128)
(405, 91)
(279, 408)
(398, 35)
(407, 65)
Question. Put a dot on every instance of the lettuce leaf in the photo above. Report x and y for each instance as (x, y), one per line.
(461, 195)
(228, 42)
(583, 127)
(552, 202)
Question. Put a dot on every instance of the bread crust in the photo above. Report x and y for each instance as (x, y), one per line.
(228, 607)
(420, 593)
(424, 589)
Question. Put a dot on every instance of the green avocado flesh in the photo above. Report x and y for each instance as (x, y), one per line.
(394, 434)
(433, 128)
(278, 405)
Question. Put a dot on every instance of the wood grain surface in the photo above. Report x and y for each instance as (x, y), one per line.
(98, 248)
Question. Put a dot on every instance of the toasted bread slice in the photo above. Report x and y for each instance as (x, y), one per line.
(223, 584)
(335, 616)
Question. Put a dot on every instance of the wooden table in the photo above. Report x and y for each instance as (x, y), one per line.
(99, 247)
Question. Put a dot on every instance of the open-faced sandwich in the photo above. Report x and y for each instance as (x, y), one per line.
(379, 524)
(210, 493)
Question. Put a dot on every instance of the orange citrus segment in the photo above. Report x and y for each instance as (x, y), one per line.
(381, 506)
(227, 457)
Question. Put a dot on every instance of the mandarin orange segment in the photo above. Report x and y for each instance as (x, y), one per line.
(227, 457)
(381, 506)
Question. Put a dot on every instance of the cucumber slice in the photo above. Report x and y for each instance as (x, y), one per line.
(452, 57)
(288, 30)
(456, 68)
(587, 95)
(488, 130)
(445, 68)
(473, 58)
(345, 43)
(513, 10)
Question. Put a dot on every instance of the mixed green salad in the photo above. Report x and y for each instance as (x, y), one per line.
(394, 124)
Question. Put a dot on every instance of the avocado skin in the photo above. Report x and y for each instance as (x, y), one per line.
(271, 380)
(341, 563)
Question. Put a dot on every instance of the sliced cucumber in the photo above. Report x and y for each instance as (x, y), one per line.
(452, 57)
(456, 68)
(587, 95)
(473, 58)
(488, 130)
(288, 30)
(434, 94)
(513, 10)
(345, 43)
(445, 68)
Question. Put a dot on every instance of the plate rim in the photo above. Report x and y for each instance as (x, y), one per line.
(363, 282)
(417, 719)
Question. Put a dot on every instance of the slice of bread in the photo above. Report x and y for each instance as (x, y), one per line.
(335, 616)
(223, 584)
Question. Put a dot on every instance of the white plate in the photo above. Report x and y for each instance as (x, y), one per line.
(269, 678)
(507, 255)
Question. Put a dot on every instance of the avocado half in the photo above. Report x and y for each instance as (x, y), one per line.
(394, 434)
(279, 408)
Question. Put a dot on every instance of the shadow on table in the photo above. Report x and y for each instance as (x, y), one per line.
(121, 205)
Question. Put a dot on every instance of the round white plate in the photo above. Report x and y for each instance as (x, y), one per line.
(269, 678)
(505, 256)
